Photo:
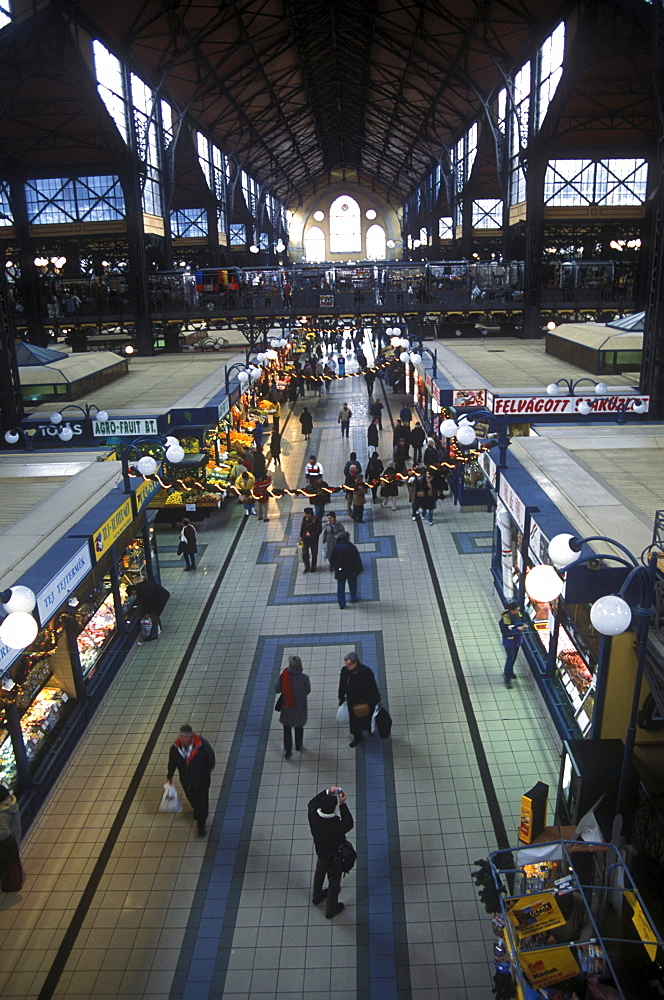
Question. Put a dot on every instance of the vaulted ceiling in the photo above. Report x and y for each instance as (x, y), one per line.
(303, 92)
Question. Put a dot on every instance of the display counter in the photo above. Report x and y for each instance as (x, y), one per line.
(570, 923)
(87, 618)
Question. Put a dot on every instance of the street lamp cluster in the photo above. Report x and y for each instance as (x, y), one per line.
(19, 628)
(600, 389)
(252, 370)
(610, 615)
(65, 433)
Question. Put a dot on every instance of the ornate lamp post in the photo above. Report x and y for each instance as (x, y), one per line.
(146, 465)
(465, 433)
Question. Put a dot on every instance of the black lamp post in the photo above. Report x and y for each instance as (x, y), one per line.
(465, 433)
(610, 615)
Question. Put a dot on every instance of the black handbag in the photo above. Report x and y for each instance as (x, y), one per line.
(279, 703)
(182, 548)
(383, 723)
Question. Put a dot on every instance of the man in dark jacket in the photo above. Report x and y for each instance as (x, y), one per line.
(193, 758)
(309, 534)
(512, 627)
(151, 599)
(347, 564)
(328, 830)
(417, 439)
(358, 688)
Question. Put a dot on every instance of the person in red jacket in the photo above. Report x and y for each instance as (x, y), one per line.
(193, 758)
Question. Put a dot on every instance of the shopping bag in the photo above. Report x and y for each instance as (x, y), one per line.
(170, 802)
(146, 627)
(343, 717)
(373, 719)
(384, 723)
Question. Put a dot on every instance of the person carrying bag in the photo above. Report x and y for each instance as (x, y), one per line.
(11, 870)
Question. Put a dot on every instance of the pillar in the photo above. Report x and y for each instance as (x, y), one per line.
(536, 169)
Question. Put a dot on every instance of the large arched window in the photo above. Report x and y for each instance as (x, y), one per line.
(314, 245)
(345, 226)
(376, 243)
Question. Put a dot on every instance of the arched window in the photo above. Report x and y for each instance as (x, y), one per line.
(376, 243)
(345, 226)
(314, 245)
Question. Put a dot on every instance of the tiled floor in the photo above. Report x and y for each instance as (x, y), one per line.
(124, 902)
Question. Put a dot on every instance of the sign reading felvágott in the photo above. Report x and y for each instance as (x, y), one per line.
(124, 427)
(515, 406)
(63, 583)
(112, 528)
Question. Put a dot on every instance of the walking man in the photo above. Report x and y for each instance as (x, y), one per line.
(193, 758)
(372, 435)
(329, 829)
(344, 419)
(347, 563)
(358, 688)
(512, 627)
(309, 534)
(417, 439)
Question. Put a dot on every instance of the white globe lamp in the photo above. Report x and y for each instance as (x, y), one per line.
(271, 355)
(395, 341)
(66, 434)
(261, 358)
(466, 434)
(18, 630)
(21, 599)
(56, 418)
(601, 388)
(561, 552)
(553, 389)
(611, 615)
(101, 415)
(243, 377)
(146, 465)
(11, 437)
(175, 454)
(584, 408)
(170, 441)
(448, 428)
(404, 356)
(543, 584)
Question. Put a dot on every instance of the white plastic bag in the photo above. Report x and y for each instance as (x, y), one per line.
(373, 719)
(170, 802)
(343, 717)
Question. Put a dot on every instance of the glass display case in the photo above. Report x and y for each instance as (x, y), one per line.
(41, 719)
(8, 773)
(98, 617)
(132, 569)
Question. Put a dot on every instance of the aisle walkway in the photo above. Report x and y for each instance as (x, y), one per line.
(123, 902)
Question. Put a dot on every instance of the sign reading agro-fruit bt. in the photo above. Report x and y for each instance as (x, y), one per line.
(125, 427)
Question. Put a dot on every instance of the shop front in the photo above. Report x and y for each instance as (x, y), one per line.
(87, 623)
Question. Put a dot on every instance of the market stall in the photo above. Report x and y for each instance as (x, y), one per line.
(86, 619)
(570, 924)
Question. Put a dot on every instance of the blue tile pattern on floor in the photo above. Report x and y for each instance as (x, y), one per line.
(204, 957)
(283, 586)
(472, 542)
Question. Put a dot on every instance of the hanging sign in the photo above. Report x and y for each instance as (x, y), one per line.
(545, 966)
(112, 528)
(514, 504)
(223, 408)
(63, 583)
(145, 490)
(642, 925)
(527, 406)
(125, 427)
(469, 397)
(533, 914)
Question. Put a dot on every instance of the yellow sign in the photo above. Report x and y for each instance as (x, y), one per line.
(144, 491)
(112, 528)
(545, 966)
(642, 924)
(532, 914)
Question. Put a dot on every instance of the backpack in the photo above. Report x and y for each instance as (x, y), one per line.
(345, 857)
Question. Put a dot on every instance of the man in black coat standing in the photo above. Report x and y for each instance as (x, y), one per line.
(358, 688)
(151, 599)
(346, 562)
(193, 758)
(328, 830)
(309, 534)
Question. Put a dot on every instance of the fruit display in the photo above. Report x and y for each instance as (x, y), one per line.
(240, 440)
(95, 636)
